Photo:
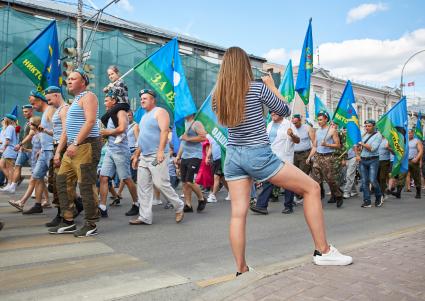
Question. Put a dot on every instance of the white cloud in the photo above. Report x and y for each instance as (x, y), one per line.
(371, 61)
(282, 56)
(126, 5)
(379, 61)
(362, 11)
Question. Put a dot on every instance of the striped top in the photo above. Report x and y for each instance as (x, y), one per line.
(75, 120)
(45, 139)
(252, 130)
(57, 124)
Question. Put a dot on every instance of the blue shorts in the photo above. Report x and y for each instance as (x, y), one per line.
(42, 165)
(255, 161)
(23, 157)
(116, 163)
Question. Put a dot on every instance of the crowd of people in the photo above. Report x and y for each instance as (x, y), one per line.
(70, 146)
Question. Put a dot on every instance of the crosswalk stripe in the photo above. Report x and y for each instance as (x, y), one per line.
(37, 241)
(12, 223)
(44, 254)
(47, 274)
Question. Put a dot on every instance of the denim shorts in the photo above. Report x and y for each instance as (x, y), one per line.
(23, 157)
(254, 161)
(116, 163)
(42, 165)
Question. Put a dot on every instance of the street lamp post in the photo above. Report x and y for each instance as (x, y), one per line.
(402, 70)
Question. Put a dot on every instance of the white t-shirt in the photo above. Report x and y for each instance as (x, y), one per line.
(283, 146)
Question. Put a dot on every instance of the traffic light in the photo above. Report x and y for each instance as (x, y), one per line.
(70, 52)
(88, 69)
(68, 66)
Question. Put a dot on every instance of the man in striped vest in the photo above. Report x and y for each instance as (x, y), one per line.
(81, 158)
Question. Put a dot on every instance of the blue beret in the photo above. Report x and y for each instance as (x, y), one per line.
(10, 116)
(296, 116)
(27, 107)
(52, 89)
(37, 94)
(83, 75)
(324, 113)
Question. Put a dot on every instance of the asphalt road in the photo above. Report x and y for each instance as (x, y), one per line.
(166, 260)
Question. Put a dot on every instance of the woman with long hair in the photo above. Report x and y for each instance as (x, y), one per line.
(10, 139)
(238, 102)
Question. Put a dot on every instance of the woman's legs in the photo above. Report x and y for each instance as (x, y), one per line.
(292, 178)
(239, 194)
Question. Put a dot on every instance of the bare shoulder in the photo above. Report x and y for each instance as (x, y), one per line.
(161, 112)
(88, 98)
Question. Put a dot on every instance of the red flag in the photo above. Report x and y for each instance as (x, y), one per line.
(411, 84)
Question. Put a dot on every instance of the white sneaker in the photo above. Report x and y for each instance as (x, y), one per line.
(227, 197)
(346, 196)
(333, 257)
(354, 193)
(119, 139)
(5, 188)
(211, 198)
(156, 202)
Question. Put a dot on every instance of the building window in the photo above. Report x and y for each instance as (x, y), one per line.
(369, 113)
(379, 113)
(360, 113)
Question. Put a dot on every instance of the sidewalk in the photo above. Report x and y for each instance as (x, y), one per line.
(388, 270)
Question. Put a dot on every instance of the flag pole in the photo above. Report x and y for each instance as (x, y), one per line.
(290, 118)
(6, 67)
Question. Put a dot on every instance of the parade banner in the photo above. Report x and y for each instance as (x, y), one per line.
(418, 128)
(345, 116)
(305, 67)
(393, 126)
(163, 71)
(286, 87)
(39, 61)
(319, 106)
(210, 122)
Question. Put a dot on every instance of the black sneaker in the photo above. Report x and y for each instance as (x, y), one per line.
(33, 209)
(116, 202)
(134, 210)
(187, 208)
(259, 210)
(288, 211)
(103, 213)
(54, 222)
(331, 200)
(366, 204)
(201, 205)
(1, 225)
(339, 202)
(379, 202)
(87, 230)
(63, 228)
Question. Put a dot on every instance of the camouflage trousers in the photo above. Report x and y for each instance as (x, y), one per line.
(300, 159)
(324, 170)
(415, 174)
(81, 169)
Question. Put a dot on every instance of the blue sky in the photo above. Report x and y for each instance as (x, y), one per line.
(366, 41)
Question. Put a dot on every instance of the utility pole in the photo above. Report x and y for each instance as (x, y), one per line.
(79, 32)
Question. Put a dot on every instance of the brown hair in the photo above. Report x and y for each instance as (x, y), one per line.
(35, 120)
(114, 68)
(233, 82)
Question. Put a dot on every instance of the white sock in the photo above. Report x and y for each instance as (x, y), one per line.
(103, 207)
(13, 185)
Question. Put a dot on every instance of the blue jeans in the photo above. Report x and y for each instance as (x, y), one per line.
(263, 198)
(369, 173)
